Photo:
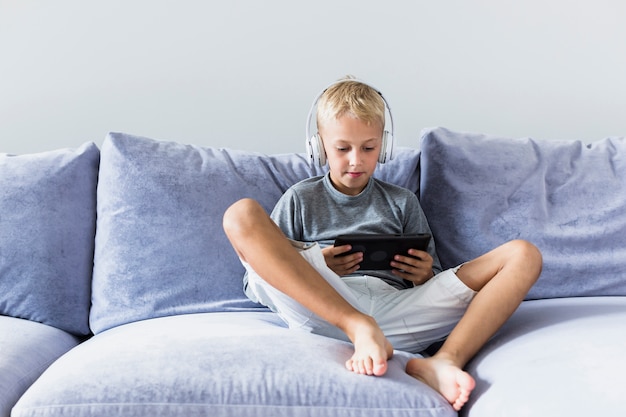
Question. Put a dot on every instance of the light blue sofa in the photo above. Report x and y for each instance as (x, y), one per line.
(120, 295)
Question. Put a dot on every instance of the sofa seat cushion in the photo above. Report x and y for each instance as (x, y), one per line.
(221, 364)
(47, 229)
(560, 357)
(27, 348)
(566, 197)
(160, 248)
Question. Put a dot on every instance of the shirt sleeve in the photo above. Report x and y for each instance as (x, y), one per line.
(286, 214)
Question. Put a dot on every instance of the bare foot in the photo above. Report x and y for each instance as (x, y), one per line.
(444, 376)
(371, 349)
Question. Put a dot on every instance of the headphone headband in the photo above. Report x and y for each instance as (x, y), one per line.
(314, 144)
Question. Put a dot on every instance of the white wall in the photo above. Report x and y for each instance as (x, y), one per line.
(242, 73)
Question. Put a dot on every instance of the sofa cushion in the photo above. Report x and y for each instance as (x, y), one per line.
(47, 228)
(27, 349)
(559, 357)
(160, 247)
(221, 364)
(566, 197)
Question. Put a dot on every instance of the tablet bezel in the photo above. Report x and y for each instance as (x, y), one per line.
(379, 249)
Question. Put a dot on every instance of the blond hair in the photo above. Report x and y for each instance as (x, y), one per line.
(351, 97)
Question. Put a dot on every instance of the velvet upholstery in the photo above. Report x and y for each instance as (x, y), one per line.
(27, 348)
(566, 197)
(221, 364)
(558, 357)
(47, 228)
(160, 248)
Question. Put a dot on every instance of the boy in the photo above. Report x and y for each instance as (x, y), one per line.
(313, 289)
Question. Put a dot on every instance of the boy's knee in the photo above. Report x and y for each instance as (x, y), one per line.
(239, 214)
(527, 251)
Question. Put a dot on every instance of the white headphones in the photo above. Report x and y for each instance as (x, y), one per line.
(315, 147)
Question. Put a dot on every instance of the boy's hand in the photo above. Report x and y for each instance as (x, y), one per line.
(342, 265)
(417, 271)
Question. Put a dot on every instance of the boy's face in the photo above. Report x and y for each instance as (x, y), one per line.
(352, 148)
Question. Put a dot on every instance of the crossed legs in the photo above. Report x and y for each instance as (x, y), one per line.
(501, 278)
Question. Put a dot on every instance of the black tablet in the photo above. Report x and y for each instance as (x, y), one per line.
(379, 250)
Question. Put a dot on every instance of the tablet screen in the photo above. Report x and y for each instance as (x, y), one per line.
(379, 250)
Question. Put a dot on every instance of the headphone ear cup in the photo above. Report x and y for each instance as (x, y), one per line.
(386, 149)
(320, 150)
(316, 150)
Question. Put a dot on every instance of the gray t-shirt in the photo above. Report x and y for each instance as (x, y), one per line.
(314, 211)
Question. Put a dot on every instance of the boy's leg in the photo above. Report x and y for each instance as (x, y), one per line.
(259, 242)
(502, 279)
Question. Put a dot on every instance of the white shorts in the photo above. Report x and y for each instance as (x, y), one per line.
(412, 319)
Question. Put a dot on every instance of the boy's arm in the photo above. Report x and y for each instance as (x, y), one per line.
(417, 222)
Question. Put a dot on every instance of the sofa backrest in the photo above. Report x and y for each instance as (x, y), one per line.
(566, 197)
(160, 248)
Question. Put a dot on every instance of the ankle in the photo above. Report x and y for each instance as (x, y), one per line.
(451, 357)
(357, 323)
